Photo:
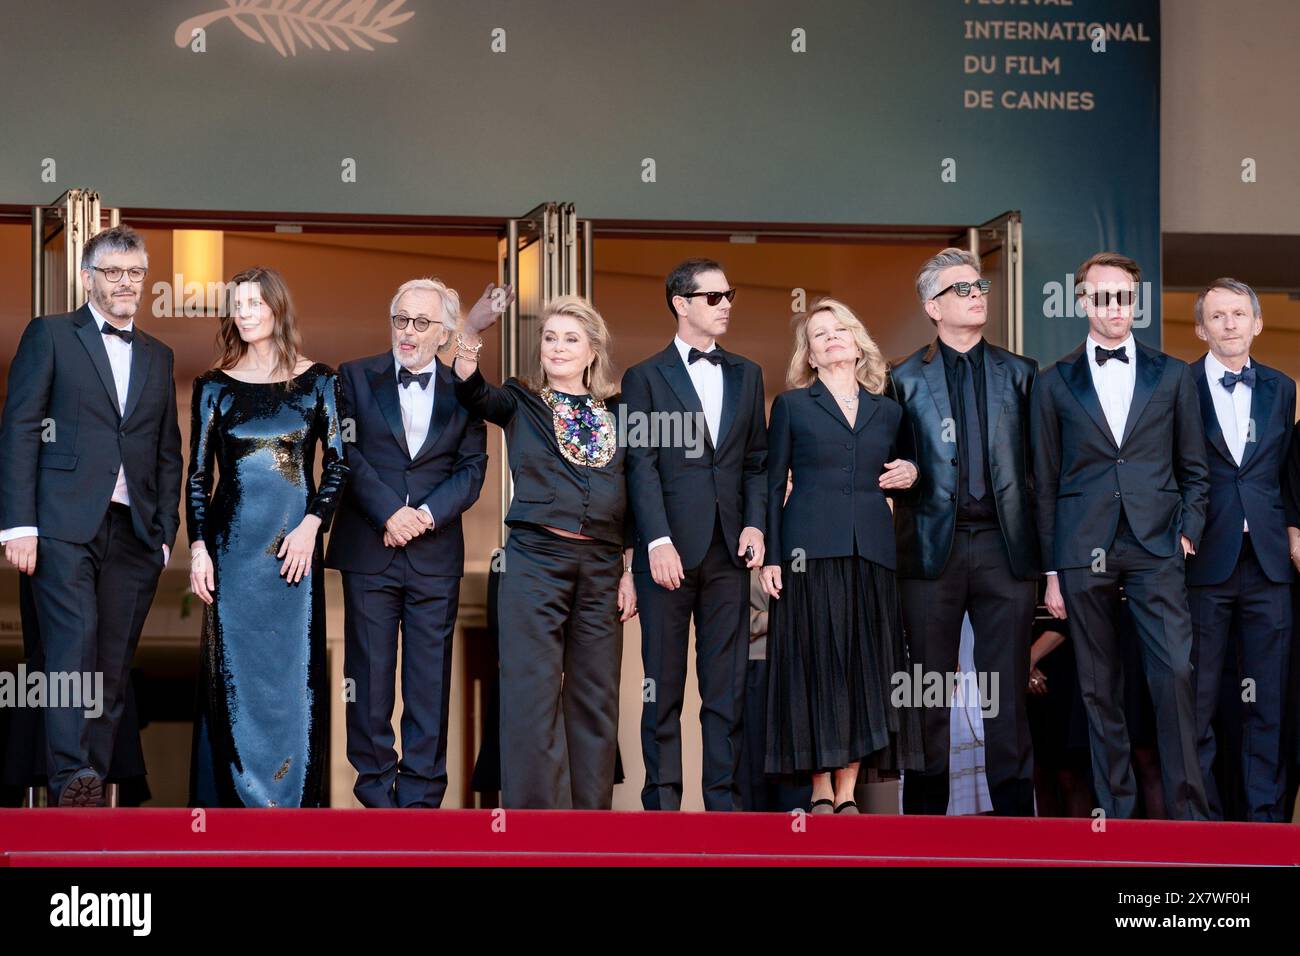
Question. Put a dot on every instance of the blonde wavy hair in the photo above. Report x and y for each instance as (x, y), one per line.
(871, 367)
(598, 376)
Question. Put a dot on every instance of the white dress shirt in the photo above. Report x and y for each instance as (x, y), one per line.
(1114, 383)
(119, 359)
(417, 412)
(707, 379)
(1231, 408)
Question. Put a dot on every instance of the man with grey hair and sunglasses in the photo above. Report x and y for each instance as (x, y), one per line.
(966, 537)
(1239, 579)
(90, 486)
(418, 460)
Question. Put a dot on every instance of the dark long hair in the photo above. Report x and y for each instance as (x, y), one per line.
(275, 293)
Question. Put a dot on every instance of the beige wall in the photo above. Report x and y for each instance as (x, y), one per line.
(1229, 76)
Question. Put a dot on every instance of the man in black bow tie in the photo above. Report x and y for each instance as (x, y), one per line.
(1121, 480)
(699, 526)
(1239, 581)
(90, 483)
(418, 462)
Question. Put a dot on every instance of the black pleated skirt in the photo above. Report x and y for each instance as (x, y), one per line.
(835, 640)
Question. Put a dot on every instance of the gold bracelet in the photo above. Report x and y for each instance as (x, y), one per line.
(471, 349)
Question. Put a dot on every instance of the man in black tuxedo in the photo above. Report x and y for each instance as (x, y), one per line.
(418, 461)
(90, 469)
(1121, 478)
(699, 508)
(965, 530)
(1239, 580)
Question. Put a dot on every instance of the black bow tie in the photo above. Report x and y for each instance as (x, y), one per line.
(405, 378)
(1246, 376)
(715, 356)
(126, 335)
(1105, 355)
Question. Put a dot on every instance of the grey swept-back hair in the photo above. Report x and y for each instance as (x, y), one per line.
(927, 280)
(449, 297)
(117, 239)
(1232, 285)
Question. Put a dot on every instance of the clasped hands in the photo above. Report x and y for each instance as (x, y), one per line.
(405, 525)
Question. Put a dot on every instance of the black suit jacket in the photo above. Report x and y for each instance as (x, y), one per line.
(1252, 491)
(676, 495)
(1157, 477)
(446, 473)
(925, 516)
(61, 377)
(836, 506)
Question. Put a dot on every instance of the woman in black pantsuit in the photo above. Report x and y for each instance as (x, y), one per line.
(836, 634)
(564, 588)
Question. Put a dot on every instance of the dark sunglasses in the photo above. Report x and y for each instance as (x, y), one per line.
(963, 288)
(713, 298)
(401, 321)
(1121, 297)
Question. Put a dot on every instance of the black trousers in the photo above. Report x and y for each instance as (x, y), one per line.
(561, 648)
(1261, 611)
(424, 607)
(91, 600)
(977, 580)
(1157, 598)
(717, 594)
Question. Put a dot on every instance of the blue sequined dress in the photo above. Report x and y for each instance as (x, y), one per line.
(260, 730)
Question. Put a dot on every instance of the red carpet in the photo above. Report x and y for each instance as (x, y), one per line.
(52, 837)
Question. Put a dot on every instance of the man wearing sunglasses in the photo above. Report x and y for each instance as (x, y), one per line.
(417, 462)
(965, 530)
(699, 524)
(1122, 482)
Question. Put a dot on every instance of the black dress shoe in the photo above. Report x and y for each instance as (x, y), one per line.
(85, 789)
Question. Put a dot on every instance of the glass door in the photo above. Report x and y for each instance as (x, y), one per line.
(998, 244)
(59, 234)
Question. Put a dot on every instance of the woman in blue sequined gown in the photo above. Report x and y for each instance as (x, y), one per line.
(257, 420)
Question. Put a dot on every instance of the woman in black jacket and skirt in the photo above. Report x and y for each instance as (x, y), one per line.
(835, 636)
(564, 589)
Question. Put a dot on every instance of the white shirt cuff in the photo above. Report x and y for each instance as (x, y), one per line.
(656, 542)
(1050, 574)
(25, 531)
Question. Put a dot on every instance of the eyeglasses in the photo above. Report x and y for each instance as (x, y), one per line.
(713, 298)
(421, 324)
(963, 288)
(1121, 297)
(114, 274)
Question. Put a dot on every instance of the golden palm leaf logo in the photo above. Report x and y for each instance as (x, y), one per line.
(323, 24)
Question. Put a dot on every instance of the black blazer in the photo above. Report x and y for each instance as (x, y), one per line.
(1253, 491)
(61, 376)
(836, 506)
(446, 473)
(548, 488)
(925, 516)
(676, 495)
(1158, 476)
